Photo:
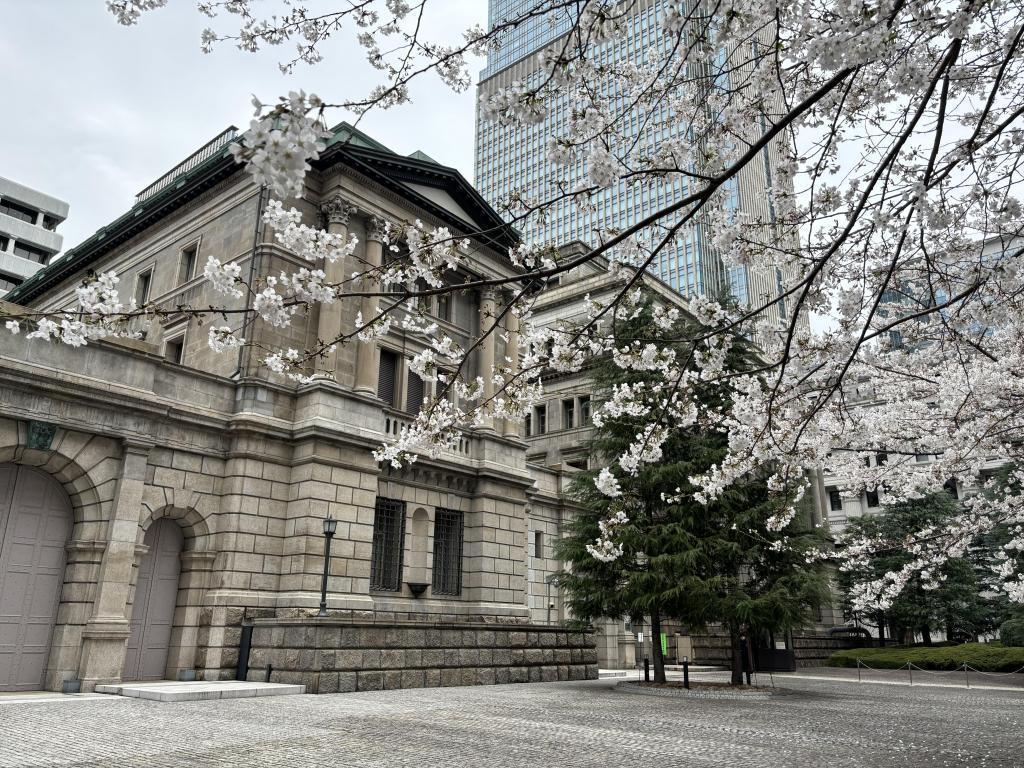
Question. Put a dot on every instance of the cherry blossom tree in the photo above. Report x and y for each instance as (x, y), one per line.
(895, 130)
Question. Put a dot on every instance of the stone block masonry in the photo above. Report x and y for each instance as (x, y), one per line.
(335, 655)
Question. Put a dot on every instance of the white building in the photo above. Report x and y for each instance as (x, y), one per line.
(28, 240)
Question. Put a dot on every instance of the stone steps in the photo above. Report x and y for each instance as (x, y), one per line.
(200, 690)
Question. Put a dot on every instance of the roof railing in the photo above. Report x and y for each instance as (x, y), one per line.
(197, 158)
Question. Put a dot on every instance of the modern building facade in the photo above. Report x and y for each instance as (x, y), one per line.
(159, 500)
(512, 159)
(28, 240)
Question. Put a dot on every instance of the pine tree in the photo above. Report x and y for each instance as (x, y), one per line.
(683, 560)
(952, 602)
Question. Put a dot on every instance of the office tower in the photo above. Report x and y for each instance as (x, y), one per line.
(514, 158)
(27, 238)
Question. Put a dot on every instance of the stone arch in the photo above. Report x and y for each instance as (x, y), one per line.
(194, 580)
(86, 466)
(76, 460)
(195, 526)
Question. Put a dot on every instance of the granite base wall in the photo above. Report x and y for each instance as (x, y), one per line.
(333, 656)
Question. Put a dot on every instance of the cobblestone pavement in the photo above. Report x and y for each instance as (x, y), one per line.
(538, 725)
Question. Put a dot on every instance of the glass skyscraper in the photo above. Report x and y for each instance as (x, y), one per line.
(514, 159)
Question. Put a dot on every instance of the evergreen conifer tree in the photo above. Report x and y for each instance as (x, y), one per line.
(695, 563)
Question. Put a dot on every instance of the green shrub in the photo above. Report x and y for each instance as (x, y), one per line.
(1011, 632)
(985, 657)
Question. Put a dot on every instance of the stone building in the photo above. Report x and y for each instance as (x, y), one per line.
(157, 498)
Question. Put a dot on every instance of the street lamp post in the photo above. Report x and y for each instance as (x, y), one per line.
(330, 527)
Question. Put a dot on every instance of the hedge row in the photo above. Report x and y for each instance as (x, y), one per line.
(985, 657)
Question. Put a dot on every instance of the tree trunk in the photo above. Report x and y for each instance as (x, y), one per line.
(737, 657)
(659, 660)
(880, 620)
(926, 634)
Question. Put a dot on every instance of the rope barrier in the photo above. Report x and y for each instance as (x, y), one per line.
(910, 666)
(995, 674)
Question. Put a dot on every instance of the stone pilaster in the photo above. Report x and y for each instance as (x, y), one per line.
(367, 353)
(511, 428)
(488, 312)
(336, 213)
(106, 633)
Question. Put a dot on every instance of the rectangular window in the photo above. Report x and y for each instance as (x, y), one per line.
(585, 411)
(538, 543)
(187, 263)
(388, 542)
(447, 576)
(872, 497)
(920, 458)
(3, 243)
(444, 307)
(413, 393)
(835, 501)
(528, 424)
(881, 458)
(37, 255)
(142, 285)
(18, 211)
(540, 419)
(8, 283)
(49, 222)
(386, 376)
(568, 414)
(174, 349)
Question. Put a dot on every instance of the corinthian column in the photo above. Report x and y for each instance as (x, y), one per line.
(367, 355)
(488, 307)
(336, 212)
(512, 347)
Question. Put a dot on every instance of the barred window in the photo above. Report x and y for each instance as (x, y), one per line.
(447, 552)
(388, 542)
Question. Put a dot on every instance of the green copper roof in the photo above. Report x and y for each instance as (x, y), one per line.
(213, 163)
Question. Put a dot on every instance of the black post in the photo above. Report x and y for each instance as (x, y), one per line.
(328, 535)
(244, 650)
(647, 669)
(686, 672)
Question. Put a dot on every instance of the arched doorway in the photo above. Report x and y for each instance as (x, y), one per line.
(35, 525)
(156, 594)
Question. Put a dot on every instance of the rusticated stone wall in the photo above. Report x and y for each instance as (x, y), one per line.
(334, 655)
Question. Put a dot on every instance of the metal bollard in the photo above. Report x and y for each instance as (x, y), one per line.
(686, 672)
(270, 668)
(647, 670)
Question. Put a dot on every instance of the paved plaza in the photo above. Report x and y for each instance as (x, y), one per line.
(556, 724)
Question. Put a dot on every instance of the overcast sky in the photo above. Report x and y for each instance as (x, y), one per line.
(93, 111)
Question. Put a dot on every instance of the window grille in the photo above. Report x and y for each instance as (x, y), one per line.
(386, 377)
(413, 393)
(388, 543)
(447, 552)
